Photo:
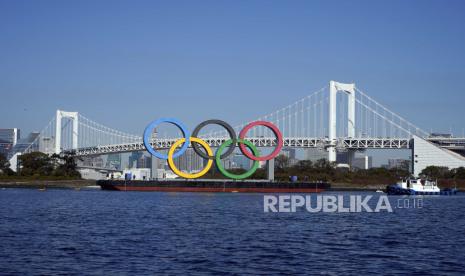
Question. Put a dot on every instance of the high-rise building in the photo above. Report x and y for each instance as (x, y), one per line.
(342, 157)
(47, 145)
(315, 154)
(9, 137)
(363, 162)
(114, 161)
(399, 164)
(239, 161)
(289, 153)
(189, 161)
(139, 159)
(144, 162)
(30, 143)
(133, 159)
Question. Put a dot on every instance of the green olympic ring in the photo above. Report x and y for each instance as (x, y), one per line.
(248, 173)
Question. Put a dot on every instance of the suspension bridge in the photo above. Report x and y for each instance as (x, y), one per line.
(336, 118)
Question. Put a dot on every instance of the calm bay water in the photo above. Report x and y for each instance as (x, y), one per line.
(117, 233)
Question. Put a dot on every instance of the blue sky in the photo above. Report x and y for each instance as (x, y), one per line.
(125, 63)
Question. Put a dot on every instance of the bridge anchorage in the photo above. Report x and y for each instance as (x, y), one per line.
(339, 117)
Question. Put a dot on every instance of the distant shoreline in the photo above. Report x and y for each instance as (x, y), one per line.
(72, 184)
(37, 184)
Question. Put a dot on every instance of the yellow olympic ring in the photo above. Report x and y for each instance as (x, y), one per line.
(187, 175)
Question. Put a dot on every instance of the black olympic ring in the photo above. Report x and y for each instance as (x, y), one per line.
(228, 128)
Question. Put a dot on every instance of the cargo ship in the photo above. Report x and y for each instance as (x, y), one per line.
(214, 186)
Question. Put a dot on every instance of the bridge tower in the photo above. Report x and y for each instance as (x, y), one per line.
(349, 89)
(65, 114)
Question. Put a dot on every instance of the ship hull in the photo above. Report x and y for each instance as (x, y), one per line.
(208, 186)
(396, 190)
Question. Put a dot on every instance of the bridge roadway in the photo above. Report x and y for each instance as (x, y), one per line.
(291, 142)
(98, 168)
(452, 143)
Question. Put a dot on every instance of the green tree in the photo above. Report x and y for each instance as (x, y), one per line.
(281, 162)
(435, 172)
(323, 165)
(4, 164)
(36, 163)
(304, 165)
(459, 173)
(65, 165)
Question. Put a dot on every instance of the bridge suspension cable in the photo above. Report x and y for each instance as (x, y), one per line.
(359, 117)
(388, 118)
(293, 120)
(308, 117)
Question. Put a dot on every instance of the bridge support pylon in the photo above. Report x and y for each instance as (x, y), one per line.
(349, 89)
(154, 168)
(64, 114)
(270, 169)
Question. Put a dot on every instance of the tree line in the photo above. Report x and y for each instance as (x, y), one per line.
(40, 165)
(323, 170)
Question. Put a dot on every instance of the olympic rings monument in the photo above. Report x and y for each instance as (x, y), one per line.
(246, 147)
(189, 182)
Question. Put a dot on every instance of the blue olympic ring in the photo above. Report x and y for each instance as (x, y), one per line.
(148, 135)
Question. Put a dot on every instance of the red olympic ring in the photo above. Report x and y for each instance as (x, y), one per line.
(276, 132)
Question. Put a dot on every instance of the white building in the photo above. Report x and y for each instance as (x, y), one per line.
(363, 162)
(47, 145)
(427, 154)
(137, 174)
(92, 174)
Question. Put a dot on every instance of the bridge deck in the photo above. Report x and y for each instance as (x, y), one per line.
(294, 142)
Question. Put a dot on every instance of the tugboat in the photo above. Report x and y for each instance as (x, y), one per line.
(418, 186)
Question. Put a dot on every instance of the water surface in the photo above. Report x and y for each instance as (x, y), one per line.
(117, 233)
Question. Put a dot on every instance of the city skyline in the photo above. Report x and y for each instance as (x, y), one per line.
(232, 137)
